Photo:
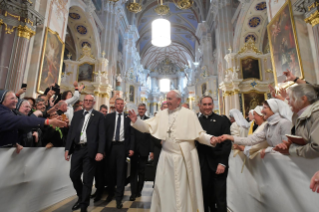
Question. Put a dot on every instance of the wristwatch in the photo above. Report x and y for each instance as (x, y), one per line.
(297, 78)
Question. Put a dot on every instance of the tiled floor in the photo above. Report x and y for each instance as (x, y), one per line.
(141, 204)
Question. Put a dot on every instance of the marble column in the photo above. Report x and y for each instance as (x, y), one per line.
(224, 38)
(19, 58)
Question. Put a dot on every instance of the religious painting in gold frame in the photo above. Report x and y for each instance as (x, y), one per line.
(86, 72)
(251, 99)
(284, 47)
(250, 68)
(51, 60)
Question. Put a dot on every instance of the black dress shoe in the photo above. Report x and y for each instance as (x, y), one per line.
(77, 205)
(132, 198)
(97, 197)
(138, 195)
(109, 198)
(119, 205)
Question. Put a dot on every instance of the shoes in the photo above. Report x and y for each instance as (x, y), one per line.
(77, 205)
(138, 195)
(97, 197)
(109, 198)
(119, 205)
(94, 195)
(132, 198)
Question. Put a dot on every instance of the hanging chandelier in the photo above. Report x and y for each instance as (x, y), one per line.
(161, 32)
(184, 4)
(161, 9)
(134, 7)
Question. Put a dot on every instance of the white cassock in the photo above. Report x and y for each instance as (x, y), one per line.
(178, 185)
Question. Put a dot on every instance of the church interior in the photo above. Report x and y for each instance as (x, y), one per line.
(139, 50)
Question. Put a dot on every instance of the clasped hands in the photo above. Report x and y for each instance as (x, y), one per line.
(283, 148)
(218, 139)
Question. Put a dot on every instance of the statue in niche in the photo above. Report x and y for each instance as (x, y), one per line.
(235, 74)
(228, 76)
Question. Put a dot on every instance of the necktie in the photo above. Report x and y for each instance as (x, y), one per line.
(118, 127)
(80, 126)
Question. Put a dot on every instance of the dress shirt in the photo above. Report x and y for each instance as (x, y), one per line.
(83, 138)
(121, 127)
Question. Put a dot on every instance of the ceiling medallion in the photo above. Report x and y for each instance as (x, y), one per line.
(184, 4)
(162, 9)
(134, 7)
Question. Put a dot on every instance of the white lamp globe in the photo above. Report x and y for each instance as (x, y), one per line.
(161, 32)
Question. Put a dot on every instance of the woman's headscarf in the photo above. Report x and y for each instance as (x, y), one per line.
(239, 118)
(3, 95)
(258, 110)
(20, 101)
(281, 107)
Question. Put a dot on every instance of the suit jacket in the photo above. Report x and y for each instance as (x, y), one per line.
(143, 142)
(128, 131)
(95, 133)
(11, 123)
(215, 125)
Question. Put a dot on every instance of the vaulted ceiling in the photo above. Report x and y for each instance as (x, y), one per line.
(183, 28)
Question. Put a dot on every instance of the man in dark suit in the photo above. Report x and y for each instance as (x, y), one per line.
(214, 161)
(86, 143)
(143, 147)
(120, 144)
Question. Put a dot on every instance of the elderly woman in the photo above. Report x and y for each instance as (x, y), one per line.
(10, 123)
(252, 151)
(303, 100)
(239, 125)
(278, 116)
(27, 137)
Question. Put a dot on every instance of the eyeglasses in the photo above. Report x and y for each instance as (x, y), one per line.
(86, 100)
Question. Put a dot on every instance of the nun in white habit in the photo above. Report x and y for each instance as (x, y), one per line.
(240, 125)
(278, 115)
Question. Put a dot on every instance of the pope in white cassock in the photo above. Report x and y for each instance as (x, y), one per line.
(178, 185)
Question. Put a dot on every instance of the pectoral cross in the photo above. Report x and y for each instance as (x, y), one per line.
(169, 132)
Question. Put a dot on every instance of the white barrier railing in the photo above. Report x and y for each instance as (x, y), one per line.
(34, 179)
(275, 183)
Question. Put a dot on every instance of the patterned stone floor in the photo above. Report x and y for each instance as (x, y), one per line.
(141, 204)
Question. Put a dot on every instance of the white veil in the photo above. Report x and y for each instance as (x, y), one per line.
(239, 118)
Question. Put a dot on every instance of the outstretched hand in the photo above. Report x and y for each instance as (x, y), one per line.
(225, 137)
(132, 116)
(289, 76)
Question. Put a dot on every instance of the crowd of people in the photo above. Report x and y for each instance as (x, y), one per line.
(100, 142)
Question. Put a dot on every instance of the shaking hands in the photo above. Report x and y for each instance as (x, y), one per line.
(214, 140)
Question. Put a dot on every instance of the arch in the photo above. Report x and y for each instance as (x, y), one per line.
(92, 34)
